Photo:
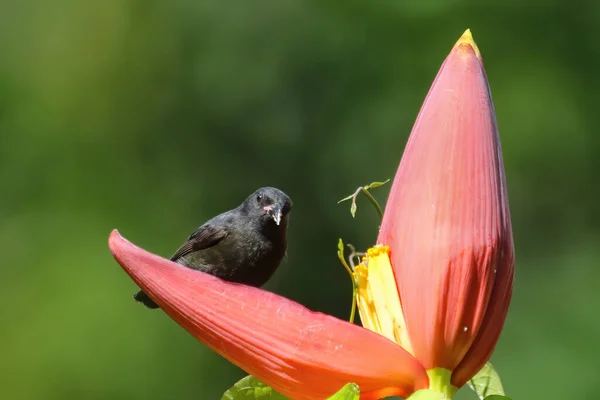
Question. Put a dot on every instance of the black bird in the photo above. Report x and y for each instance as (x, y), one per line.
(243, 245)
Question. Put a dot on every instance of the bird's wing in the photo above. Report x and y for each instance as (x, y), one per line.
(206, 236)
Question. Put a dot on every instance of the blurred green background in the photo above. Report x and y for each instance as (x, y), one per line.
(152, 116)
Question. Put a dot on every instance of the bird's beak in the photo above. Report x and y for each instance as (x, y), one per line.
(275, 212)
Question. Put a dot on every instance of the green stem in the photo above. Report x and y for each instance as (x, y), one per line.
(374, 202)
(340, 254)
(354, 283)
(353, 311)
(439, 381)
(346, 266)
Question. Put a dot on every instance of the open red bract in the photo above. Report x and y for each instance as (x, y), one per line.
(300, 353)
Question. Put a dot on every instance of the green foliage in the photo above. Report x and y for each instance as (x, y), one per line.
(250, 388)
(486, 383)
(365, 190)
(350, 391)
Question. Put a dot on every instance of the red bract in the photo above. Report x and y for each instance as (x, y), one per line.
(300, 353)
(447, 222)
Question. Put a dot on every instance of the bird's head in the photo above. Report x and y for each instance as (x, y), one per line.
(269, 203)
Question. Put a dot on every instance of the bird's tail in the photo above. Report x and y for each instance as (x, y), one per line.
(145, 300)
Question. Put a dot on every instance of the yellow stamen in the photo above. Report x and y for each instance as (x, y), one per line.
(378, 300)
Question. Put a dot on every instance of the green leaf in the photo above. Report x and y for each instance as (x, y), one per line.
(352, 197)
(347, 198)
(348, 392)
(497, 397)
(374, 185)
(353, 208)
(486, 383)
(250, 388)
(426, 394)
(365, 191)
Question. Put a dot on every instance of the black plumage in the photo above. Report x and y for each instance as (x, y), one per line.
(243, 245)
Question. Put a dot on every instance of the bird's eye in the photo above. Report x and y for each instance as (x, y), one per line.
(259, 198)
